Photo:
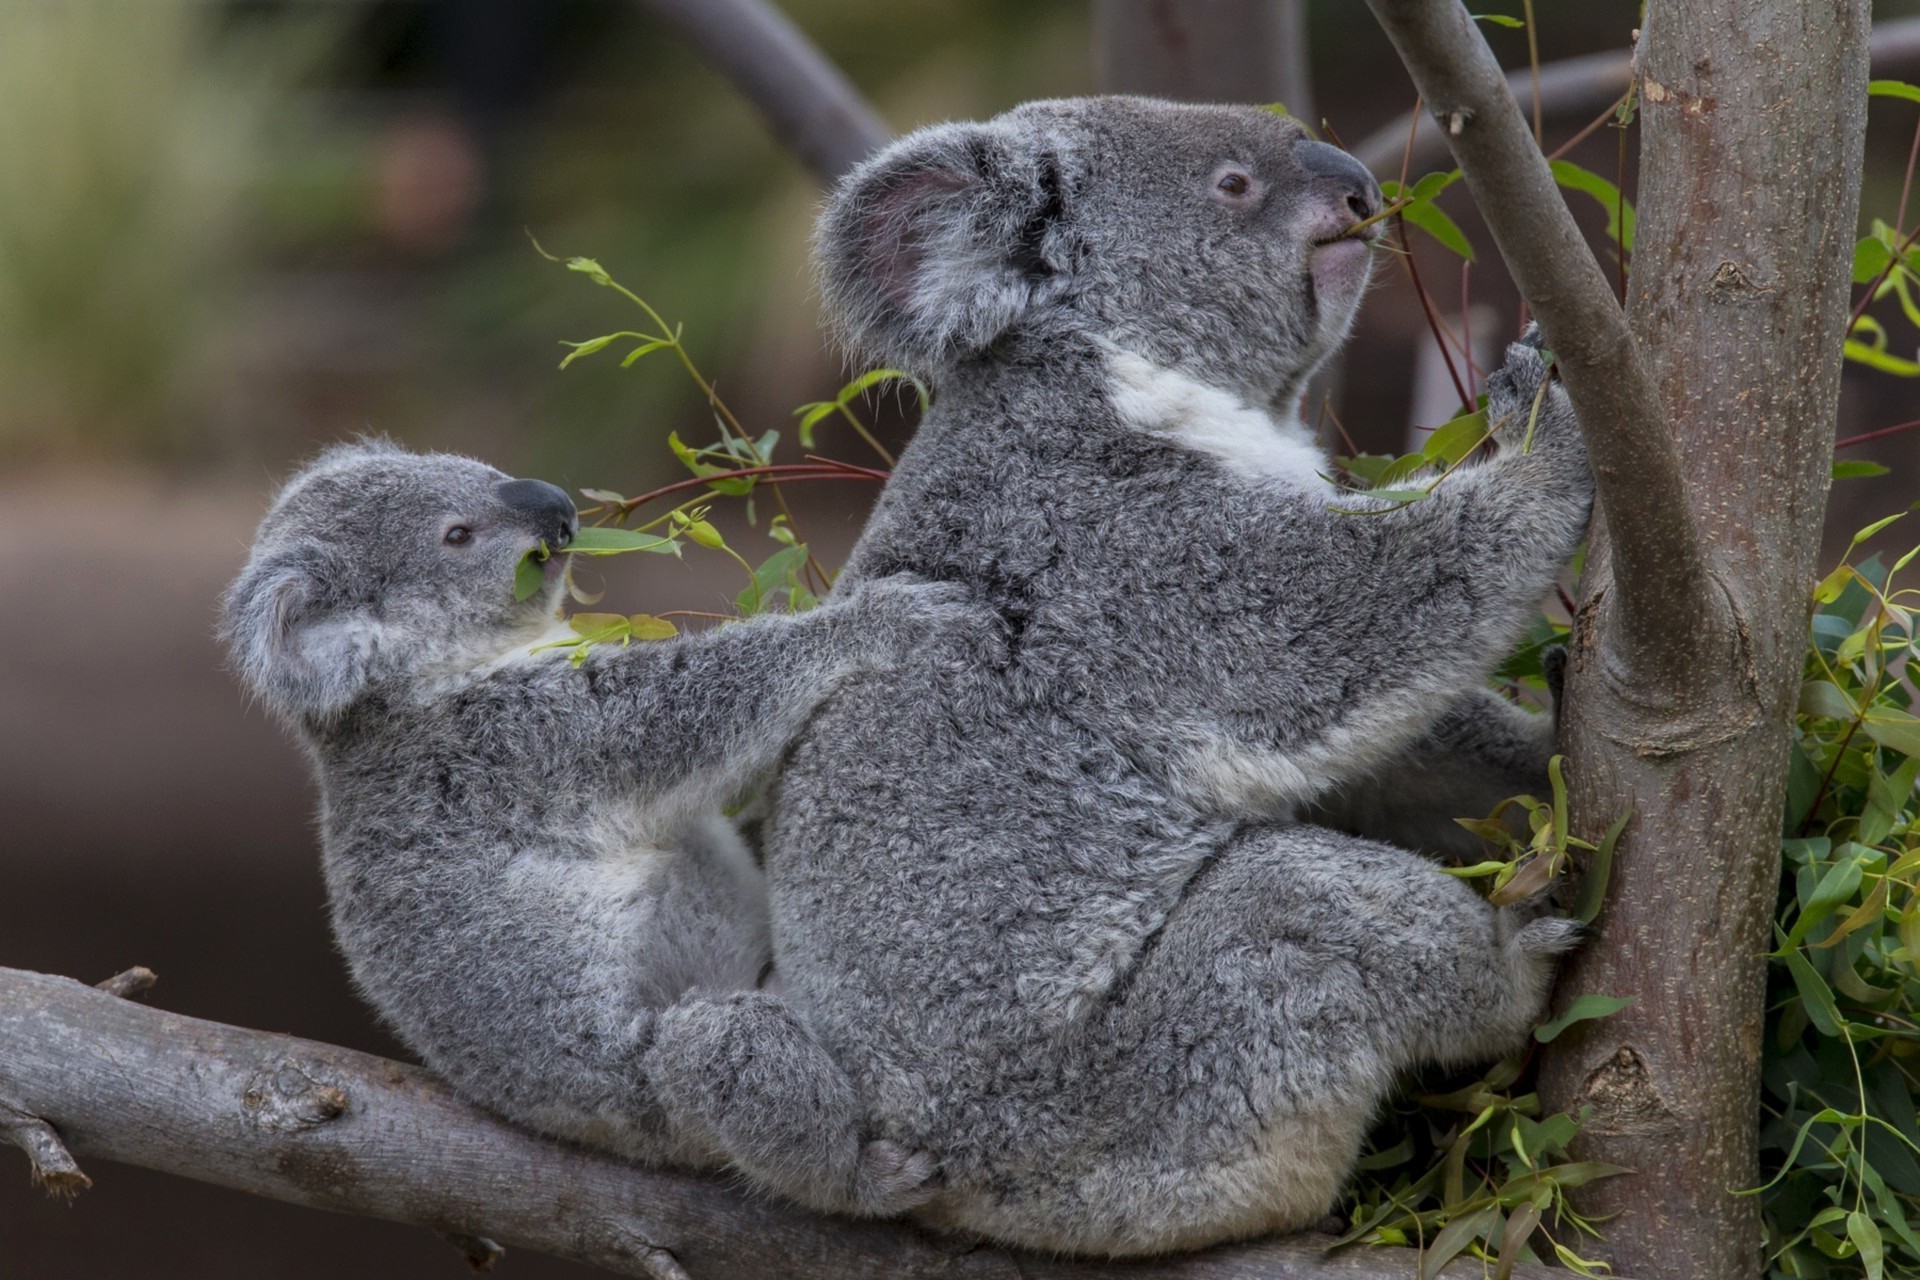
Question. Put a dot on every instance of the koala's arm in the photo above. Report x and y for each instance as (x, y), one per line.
(1421, 602)
(1480, 751)
(717, 709)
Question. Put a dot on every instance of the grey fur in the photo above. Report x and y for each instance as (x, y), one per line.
(528, 872)
(1041, 893)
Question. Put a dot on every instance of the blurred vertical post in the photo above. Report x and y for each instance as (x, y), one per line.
(1205, 51)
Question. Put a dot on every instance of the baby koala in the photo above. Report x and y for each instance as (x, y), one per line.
(529, 873)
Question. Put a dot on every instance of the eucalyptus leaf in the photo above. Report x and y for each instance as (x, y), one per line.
(1583, 1009)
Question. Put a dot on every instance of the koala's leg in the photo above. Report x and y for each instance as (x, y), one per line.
(745, 1074)
(1480, 751)
(1253, 1042)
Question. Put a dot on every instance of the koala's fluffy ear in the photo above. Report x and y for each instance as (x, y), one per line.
(937, 245)
(305, 661)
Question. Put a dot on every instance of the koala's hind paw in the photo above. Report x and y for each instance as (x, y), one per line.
(892, 1179)
(1552, 936)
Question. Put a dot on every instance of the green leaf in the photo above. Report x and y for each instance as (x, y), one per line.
(606, 496)
(1433, 220)
(1835, 887)
(1893, 89)
(586, 348)
(1583, 1009)
(1856, 469)
(1887, 795)
(1895, 730)
(605, 540)
(1593, 886)
(1815, 996)
(1866, 1238)
(1454, 439)
(1871, 256)
(530, 574)
(598, 628)
(1619, 209)
(1825, 698)
(645, 348)
(1453, 1238)
(644, 626)
(778, 570)
(1497, 19)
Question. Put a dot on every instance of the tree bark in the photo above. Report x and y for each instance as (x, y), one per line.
(1752, 122)
(1686, 666)
(85, 1072)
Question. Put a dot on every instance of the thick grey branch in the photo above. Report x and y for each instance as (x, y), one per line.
(811, 107)
(1663, 593)
(333, 1129)
(1581, 88)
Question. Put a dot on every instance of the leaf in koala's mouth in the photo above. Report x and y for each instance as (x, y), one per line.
(530, 574)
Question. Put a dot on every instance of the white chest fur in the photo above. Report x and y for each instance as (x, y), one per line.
(1251, 441)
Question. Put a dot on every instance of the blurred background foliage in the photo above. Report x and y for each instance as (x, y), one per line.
(232, 230)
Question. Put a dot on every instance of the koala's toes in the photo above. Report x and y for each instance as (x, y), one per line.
(892, 1179)
(1553, 666)
(1552, 936)
(1533, 337)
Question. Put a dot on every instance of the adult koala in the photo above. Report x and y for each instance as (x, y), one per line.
(1042, 896)
(529, 874)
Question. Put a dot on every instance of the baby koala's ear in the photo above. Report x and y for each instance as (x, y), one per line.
(306, 661)
(937, 245)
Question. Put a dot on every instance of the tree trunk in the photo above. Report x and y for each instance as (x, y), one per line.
(1752, 124)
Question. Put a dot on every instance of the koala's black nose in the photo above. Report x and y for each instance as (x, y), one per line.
(546, 508)
(1361, 192)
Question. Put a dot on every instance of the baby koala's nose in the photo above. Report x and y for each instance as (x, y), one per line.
(545, 508)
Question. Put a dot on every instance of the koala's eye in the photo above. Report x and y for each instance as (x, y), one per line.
(1233, 184)
(458, 535)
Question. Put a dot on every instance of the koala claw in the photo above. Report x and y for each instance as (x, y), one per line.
(892, 1179)
(1552, 935)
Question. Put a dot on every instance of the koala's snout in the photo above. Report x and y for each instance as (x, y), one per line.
(1349, 178)
(544, 508)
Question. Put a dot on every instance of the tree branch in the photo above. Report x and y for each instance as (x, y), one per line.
(810, 106)
(1663, 597)
(1583, 86)
(326, 1127)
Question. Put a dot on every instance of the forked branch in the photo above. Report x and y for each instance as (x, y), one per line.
(1662, 593)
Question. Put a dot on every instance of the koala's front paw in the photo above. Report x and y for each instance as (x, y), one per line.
(1524, 404)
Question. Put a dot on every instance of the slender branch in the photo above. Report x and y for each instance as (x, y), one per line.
(808, 103)
(777, 473)
(326, 1127)
(1583, 86)
(1881, 434)
(1662, 591)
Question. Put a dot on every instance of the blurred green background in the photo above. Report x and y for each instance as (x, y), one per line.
(232, 231)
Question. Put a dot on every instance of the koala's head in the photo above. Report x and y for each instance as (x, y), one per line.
(1205, 238)
(376, 564)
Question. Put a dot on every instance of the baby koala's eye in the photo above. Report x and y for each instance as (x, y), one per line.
(459, 534)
